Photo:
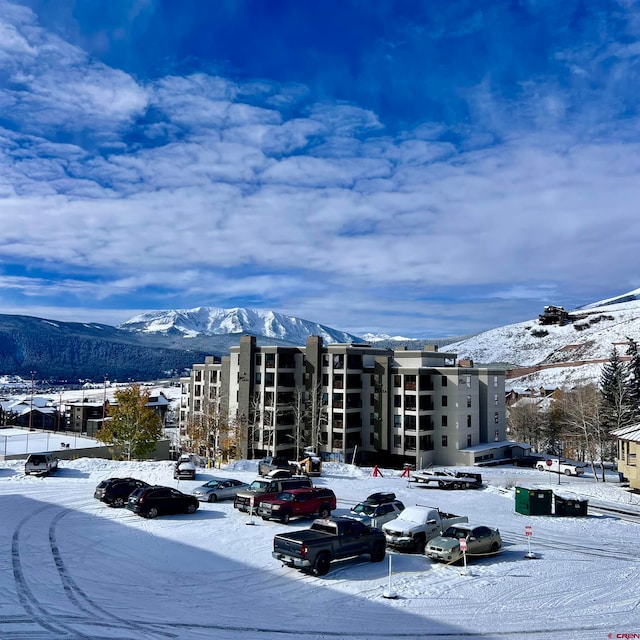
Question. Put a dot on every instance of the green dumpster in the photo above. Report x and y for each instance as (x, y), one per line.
(534, 502)
(568, 506)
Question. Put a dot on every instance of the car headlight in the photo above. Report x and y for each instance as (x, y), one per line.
(275, 507)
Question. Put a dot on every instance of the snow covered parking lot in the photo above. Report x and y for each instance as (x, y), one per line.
(73, 567)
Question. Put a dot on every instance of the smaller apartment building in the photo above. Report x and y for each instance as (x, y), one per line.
(352, 402)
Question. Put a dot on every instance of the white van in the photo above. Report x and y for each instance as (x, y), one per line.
(40, 464)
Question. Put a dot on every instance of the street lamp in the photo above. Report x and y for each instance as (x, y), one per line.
(104, 399)
(33, 373)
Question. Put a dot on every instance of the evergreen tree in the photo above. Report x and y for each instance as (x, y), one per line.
(134, 427)
(617, 408)
(633, 378)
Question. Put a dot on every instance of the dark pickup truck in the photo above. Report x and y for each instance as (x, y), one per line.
(328, 539)
(298, 502)
(271, 463)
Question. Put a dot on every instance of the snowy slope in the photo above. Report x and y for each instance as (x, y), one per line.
(216, 321)
(591, 335)
(75, 568)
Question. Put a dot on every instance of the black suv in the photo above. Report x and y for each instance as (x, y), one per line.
(116, 491)
(156, 501)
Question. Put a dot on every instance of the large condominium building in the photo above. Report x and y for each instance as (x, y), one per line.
(352, 402)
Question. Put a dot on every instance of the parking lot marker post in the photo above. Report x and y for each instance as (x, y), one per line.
(528, 532)
(389, 594)
(463, 548)
(251, 502)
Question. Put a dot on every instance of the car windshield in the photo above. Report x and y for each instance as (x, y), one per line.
(212, 484)
(363, 509)
(455, 532)
(258, 485)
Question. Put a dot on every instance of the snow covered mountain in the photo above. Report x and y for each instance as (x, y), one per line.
(212, 321)
(553, 355)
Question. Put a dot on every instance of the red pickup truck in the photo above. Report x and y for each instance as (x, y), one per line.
(298, 502)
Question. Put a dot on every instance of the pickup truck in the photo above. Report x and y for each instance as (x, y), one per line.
(415, 526)
(298, 502)
(313, 549)
(560, 466)
(272, 463)
(449, 479)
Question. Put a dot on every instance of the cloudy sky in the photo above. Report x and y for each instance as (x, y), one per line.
(417, 167)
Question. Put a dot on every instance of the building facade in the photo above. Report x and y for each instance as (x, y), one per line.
(351, 402)
(628, 439)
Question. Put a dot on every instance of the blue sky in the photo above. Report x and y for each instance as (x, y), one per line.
(423, 168)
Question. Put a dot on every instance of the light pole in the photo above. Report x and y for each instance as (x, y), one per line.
(33, 373)
(104, 399)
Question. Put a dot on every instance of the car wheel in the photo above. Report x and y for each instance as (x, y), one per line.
(118, 502)
(378, 553)
(152, 513)
(567, 472)
(191, 508)
(419, 544)
(285, 517)
(321, 565)
(213, 498)
(494, 547)
(324, 512)
(540, 467)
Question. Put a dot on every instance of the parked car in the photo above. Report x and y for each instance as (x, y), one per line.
(157, 501)
(116, 491)
(40, 464)
(480, 540)
(185, 468)
(298, 502)
(376, 514)
(265, 488)
(219, 489)
(271, 463)
(560, 466)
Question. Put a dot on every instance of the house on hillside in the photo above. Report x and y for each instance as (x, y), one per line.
(554, 315)
(34, 413)
(628, 448)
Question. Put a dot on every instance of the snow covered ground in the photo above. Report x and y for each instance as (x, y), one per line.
(71, 567)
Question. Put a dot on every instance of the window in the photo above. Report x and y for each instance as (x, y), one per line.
(469, 440)
(397, 401)
(495, 399)
(258, 359)
(397, 381)
(497, 436)
(397, 421)
(496, 417)
(410, 422)
(426, 443)
(445, 441)
(468, 402)
(444, 401)
(258, 378)
(410, 443)
(468, 422)
(445, 421)
(397, 441)
(444, 381)
(468, 381)
(495, 381)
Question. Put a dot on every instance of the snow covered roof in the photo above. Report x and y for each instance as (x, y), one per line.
(628, 433)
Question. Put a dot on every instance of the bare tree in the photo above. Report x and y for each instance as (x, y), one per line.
(581, 414)
(207, 429)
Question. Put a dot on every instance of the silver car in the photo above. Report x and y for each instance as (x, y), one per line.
(481, 541)
(219, 489)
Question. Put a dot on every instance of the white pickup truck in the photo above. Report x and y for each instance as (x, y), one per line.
(560, 466)
(415, 526)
